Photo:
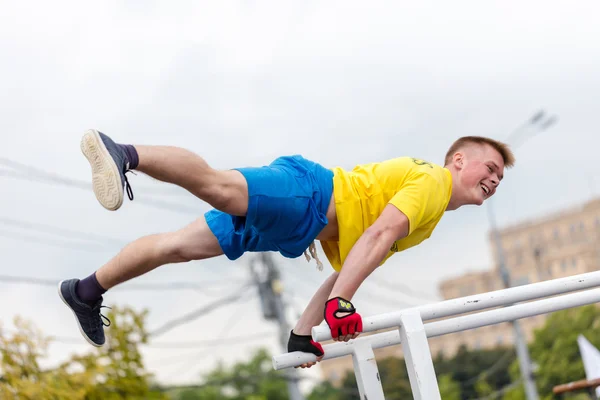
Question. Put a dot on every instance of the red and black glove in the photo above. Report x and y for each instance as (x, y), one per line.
(348, 324)
(305, 344)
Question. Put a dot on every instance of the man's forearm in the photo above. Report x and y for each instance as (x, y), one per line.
(366, 255)
(313, 314)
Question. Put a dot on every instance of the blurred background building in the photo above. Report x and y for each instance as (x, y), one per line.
(556, 245)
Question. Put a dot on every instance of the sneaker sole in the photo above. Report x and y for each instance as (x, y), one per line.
(106, 178)
(90, 341)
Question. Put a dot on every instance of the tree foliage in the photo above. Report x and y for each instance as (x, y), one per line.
(254, 379)
(112, 372)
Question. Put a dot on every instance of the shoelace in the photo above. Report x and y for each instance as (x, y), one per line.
(313, 252)
(103, 318)
(127, 185)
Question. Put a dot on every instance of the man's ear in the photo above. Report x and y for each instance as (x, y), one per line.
(458, 159)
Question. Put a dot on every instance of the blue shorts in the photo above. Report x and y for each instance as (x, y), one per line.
(287, 208)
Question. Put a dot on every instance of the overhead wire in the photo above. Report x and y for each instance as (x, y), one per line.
(124, 286)
(201, 311)
(29, 173)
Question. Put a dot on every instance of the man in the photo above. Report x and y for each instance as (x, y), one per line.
(361, 217)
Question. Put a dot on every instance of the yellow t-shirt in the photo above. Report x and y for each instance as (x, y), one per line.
(420, 189)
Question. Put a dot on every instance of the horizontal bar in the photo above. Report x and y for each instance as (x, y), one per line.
(444, 327)
(476, 302)
(335, 350)
(577, 385)
(518, 311)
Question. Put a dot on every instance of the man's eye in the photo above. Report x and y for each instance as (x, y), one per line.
(489, 168)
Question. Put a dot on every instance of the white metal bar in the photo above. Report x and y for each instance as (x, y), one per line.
(335, 350)
(511, 313)
(476, 302)
(456, 324)
(417, 356)
(367, 374)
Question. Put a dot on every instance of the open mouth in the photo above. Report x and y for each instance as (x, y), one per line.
(485, 190)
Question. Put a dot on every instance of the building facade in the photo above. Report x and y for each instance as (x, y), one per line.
(557, 245)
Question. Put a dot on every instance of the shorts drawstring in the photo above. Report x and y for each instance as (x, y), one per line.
(313, 252)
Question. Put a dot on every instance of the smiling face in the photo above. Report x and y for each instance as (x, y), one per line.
(480, 168)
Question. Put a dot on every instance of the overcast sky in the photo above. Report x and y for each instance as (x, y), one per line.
(243, 82)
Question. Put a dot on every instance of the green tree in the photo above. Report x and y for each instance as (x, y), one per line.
(325, 391)
(112, 372)
(251, 380)
(556, 353)
(449, 388)
(478, 372)
(555, 348)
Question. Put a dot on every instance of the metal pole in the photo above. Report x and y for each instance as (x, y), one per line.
(520, 341)
(284, 328)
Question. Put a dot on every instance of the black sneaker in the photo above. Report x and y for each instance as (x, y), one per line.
(90, 321)
(109, 164)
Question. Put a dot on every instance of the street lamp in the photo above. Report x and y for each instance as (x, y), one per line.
(536, 124)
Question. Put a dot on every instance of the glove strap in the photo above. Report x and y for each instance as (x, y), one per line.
(343, 306)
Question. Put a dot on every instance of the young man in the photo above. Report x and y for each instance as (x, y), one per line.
(361, 217)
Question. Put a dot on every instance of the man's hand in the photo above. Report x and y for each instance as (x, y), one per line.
(305, 344)
(343, 320)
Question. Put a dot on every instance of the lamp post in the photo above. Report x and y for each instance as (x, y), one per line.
(537, 123)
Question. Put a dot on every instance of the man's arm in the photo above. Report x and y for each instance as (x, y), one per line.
(312, 316)
(368, 252)
(313, 313)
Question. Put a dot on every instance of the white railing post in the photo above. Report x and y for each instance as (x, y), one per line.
(366, 372)
(417, 355)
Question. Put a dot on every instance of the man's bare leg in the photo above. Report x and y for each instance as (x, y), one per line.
(193, 242)
(109, 161)
(224, 190)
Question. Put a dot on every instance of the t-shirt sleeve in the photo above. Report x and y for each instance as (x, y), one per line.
(419, 199)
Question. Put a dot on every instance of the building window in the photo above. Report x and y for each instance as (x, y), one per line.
(518, 257)
(499, 340)
(466, 290)
(574, 262)
(557, 231)
(522, 280)
(563, 265)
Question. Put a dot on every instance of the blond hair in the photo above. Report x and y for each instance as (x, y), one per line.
(502, 148)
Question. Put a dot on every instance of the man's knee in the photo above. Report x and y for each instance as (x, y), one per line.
(193, 242)
(228, 192)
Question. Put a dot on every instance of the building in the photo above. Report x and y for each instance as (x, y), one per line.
(554, 246)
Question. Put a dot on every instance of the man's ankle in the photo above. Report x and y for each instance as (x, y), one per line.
(132, 155)
(89, 290)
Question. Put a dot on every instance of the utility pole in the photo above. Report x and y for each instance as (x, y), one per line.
(267, 278)
(541, 123)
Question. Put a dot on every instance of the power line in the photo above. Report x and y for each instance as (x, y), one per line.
(59, 231)
(125, 286)
(240, 339)
(205, 309)
(502, 391)
(490, 370)
(21, 170)
(33, 174)
(74, 245)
